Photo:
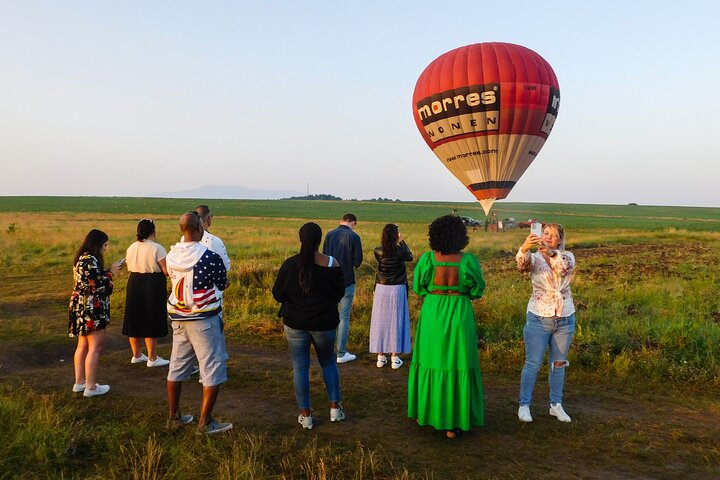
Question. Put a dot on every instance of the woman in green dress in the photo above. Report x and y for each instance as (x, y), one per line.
(445, 383)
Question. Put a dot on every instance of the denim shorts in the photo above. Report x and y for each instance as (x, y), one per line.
(203, 339)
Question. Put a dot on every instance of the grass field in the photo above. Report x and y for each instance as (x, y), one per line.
(642, 387)
(580, 216)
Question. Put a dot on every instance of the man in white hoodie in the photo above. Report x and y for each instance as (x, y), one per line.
(198, 278)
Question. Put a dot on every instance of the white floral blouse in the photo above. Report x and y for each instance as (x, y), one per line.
(551, 296)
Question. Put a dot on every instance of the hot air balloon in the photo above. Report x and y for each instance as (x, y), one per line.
(486, 110)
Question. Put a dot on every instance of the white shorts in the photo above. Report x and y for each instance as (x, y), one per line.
(204, 339)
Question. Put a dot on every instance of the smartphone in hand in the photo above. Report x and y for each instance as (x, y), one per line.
(536, 229)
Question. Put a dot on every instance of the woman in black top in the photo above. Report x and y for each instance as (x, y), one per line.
(390, 321)
(309, 286)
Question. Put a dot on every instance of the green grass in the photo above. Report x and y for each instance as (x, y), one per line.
(55, 437)
(578, 216)
(646, 290)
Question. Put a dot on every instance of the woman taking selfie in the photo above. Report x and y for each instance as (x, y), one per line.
(89, 311)
(550, 320)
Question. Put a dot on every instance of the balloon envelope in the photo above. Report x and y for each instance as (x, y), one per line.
(486, 110)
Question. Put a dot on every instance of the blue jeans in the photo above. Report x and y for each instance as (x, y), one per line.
(344, 325)
(324, 343)
(539, 332)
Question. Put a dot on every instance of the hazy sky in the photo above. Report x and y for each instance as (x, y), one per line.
(142, 97)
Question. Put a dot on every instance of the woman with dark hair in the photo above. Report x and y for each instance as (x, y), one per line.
(390, 320)
(146, 299)
(89, 311)
(309, 286)
(445, 383)
(550, 318)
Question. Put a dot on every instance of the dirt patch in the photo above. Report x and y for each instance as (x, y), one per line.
(617, 431)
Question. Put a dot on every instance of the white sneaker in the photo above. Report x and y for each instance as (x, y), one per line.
(141, 359)
(78, 387)
(306, 422)
(396, 363)
(346, 357)
(381, 361)
(337, 414)
(558, 412)
(99, 390)
(158, 362)
(524, 414)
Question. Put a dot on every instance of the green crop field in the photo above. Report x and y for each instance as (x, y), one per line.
(642, 389)
(579, 216)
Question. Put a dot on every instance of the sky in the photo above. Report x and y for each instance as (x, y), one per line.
(136, 98)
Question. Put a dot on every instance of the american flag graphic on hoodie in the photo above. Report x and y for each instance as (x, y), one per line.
(206, 277)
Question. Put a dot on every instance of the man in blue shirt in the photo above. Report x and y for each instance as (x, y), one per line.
(345, 245)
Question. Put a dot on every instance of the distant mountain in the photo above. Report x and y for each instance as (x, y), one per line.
(229, 192)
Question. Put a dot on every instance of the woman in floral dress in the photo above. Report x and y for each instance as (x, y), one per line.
(89, 311)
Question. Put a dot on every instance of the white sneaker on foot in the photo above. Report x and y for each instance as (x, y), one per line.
(524, 414)
(337, 414)
(396, 363)
(99, 390)
(346, 357)
(558, 412)
(381, 361)
(141, 359)
(158, 362)
(179, 420)
(213, 427)
(306, 422)
(78, 387)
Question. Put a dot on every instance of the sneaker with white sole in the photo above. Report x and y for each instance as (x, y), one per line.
(346, 357)
(78, 387)
(337, 414)
(306, 422)
(99, 390)
(558, 412)
(381, 361)
(178, 421)
(158, 362)
(396, 363)
(141, 359)
(524, 414)
(214, 427)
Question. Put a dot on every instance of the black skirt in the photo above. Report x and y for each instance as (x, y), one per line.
(146, 306)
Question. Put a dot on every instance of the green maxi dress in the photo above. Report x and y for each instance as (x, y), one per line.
(445, 383)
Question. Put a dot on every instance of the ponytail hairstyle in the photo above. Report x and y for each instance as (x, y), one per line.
(390, 235)
(92, 244)
(310, 236)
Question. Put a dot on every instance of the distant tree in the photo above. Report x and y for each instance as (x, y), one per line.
(319, 196)
(378, 199)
